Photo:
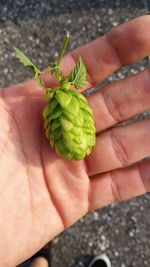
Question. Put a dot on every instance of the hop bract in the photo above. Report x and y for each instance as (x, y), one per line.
(69, 123)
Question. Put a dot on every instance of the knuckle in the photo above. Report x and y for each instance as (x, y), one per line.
(145, 182)
(112, 107)
(119, 149)
(114, 187)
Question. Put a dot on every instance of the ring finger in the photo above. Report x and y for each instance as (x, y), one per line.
(120, 147)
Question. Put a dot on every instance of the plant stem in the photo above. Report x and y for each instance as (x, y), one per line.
(65, 42)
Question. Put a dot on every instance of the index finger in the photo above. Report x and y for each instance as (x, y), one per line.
(126, 44)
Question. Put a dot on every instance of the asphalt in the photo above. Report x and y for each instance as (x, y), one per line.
(37, 27)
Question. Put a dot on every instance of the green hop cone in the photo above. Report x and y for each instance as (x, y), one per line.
(69, 124)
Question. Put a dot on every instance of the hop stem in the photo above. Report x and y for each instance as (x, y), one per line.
(55, 67)
(65, 42)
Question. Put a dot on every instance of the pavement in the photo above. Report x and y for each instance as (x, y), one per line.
(37, 27)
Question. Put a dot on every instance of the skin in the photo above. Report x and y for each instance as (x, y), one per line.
(41, 194)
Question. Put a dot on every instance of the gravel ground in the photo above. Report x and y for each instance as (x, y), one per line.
(37, 27)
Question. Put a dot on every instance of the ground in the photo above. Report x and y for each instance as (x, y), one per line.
(37, 27)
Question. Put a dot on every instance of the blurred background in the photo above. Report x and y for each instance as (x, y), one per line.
(37, 27)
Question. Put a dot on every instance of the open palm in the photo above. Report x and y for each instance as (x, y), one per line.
(42, 194)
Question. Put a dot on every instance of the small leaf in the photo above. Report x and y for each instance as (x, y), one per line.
(73, 106)
(80, 96)
(28, 63)
(85, 107)
(55, 114)
(66, 124)
(25, 60)
(90, 139)
(77, 76)
(63, 98)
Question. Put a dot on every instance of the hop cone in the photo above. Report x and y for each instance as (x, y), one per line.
(69, 124)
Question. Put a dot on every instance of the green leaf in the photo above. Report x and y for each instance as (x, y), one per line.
(73, 107)
(25, 60)
(63, 98)
(28, 63)
(77, 76)
(66, 124)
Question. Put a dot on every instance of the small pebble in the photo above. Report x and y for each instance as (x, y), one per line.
(5, 71)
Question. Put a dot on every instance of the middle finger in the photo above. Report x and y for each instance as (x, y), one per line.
(121, 100)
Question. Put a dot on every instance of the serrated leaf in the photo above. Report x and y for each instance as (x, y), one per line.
(28, 63)
(77, 76)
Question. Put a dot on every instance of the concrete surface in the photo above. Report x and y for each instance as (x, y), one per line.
(37, 27)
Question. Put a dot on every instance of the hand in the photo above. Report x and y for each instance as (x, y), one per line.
(41, 194)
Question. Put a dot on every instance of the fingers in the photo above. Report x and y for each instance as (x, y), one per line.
(120, 147)
(129, 40)
(121, 100)
(125, 44)
(119, 185)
